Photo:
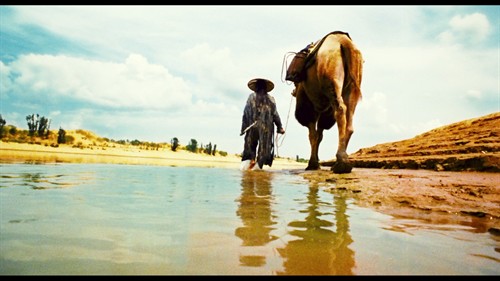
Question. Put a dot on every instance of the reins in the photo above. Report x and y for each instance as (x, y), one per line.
(286, 126)
(284, 66)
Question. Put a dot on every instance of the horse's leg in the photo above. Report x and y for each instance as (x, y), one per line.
(350, 95)
(342, 164)
(352, 92)
(319, 132)
(308, 117)
(315, 137)
(352, 100)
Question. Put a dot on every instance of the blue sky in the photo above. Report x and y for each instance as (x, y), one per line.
(156, 72)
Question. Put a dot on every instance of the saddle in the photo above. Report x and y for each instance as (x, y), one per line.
(296, 71)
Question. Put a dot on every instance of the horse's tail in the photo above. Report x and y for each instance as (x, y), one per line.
(353, 66)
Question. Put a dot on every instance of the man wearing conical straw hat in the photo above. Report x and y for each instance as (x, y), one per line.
(259, 117)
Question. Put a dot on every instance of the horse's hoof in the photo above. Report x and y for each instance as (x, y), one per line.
(342, 168)
(312, 167)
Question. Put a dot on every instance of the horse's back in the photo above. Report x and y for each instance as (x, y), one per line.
(339, 58)
(336, 47)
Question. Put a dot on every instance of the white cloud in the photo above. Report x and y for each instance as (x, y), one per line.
(474, 94)
(372, 110)
(210, 63)
(135, 83)
(475, 26)
(5, 82)
(446, 37)
(471, 28)
(422, 127)
(215, 74)
(55, 113)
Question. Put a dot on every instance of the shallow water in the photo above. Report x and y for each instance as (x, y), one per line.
(138, 219)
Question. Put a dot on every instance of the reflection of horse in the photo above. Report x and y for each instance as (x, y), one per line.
(319, 250)
(328, 93)
(255, 212)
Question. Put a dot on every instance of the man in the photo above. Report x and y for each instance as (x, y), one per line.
(259, 117)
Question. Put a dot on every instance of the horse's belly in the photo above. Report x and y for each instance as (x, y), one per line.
(320, 101)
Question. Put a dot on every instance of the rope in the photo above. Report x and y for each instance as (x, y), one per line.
(284, 66)
(286, 127)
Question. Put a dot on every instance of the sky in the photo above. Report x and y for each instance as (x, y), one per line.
(152, 73)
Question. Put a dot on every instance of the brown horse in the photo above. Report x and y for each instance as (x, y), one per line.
(329, 92)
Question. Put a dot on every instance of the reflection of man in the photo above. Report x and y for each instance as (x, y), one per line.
(319, 250)
(255, 212)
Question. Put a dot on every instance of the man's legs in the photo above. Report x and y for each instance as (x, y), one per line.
(250, 148)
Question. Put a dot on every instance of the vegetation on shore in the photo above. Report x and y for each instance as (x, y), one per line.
(39, 133)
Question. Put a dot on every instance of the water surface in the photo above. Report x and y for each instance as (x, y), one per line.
(139, 219)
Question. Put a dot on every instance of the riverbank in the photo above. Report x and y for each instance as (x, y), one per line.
(11, 152)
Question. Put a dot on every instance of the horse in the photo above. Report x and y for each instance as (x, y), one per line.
(327, 93)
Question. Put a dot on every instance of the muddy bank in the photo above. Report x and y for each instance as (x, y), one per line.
(469, 145)
(468, 162)
(444, 197)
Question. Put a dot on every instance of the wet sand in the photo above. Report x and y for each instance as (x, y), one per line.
(440, 197)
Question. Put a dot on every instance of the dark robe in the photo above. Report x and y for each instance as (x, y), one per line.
(260, 108)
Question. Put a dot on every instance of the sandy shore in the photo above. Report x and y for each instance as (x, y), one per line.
(16, 152)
